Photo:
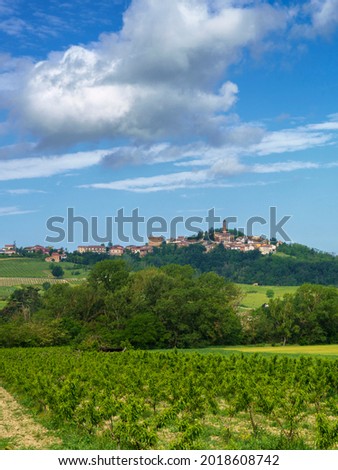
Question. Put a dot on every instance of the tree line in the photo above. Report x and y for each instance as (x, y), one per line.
(309, 316)
(171, 306)
(168, 307)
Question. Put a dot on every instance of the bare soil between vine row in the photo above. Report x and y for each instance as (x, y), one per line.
(19, 429)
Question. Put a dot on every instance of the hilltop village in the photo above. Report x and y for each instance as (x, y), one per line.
(229, 240)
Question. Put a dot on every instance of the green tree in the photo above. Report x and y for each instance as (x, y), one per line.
(109, 275)
(282, 314)
(57, 271)
(22, 304)
(270, 293)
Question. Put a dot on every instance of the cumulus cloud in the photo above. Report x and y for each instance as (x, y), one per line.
(324, 15)
(160, 77)
(160, 82)
(315, 18)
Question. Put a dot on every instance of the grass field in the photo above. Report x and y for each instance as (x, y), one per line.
(5, 292)
(255, 296)
(327, 350)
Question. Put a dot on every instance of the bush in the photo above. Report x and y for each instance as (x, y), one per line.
(57, 271)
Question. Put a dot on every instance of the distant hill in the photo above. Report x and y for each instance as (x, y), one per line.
(292, 265)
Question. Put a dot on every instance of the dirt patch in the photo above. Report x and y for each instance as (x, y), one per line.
(19, 428)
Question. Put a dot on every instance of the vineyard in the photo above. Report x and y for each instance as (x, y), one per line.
(27, 281)
(171, 400)
(27, 268)
(24, 267)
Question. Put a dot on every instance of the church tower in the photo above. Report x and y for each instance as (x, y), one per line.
(224, 230)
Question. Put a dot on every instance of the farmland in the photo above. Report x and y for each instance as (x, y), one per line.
(32, 268)
(24, 267)
(16, 272)
(171, 400)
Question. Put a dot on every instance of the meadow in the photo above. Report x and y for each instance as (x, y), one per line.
(255, 296)
(173, 400)
(317, 350)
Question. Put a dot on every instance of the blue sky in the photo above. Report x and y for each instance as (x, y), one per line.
(173, 107)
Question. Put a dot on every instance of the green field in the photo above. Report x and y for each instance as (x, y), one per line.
(170, 400)
(32, 268)
(24, 267)
(255, 296)
(5, 292)
(16, 272)
(327, 350)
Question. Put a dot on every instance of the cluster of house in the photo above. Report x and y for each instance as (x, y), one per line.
(8, 250)
(118, 250)
(52, 255)
(244, 243)
(223, 237)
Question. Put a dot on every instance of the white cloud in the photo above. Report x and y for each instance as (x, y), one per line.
(315, 18)
(232, 158)
(160, 77)
(6, 7)
(291, 140)
(155, 183)
(20, 192)
(48, 166)
(13, 210)
(158, 83)
(324, 15)
(13, 26)
(323, 126)
(288, 166)
(242, 140)
(213, 177)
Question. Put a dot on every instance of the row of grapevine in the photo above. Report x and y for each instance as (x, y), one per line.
(137, 397)
(27, 281)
